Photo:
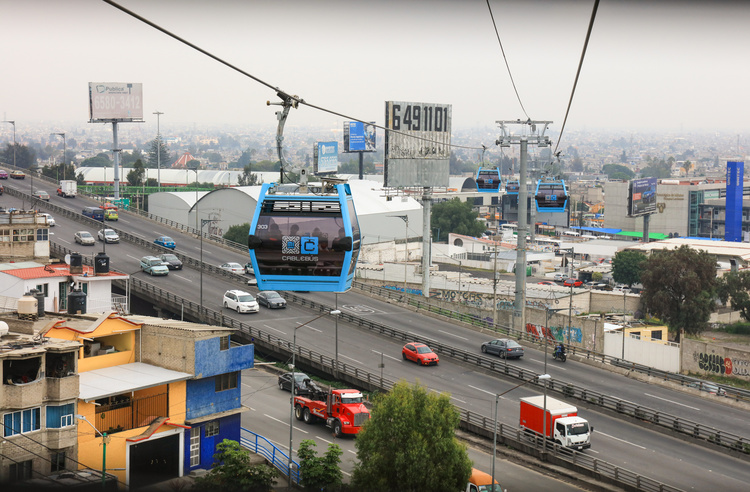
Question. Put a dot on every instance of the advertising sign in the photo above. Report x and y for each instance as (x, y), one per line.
(733, 221)
(417, 151)
(642, 197)
(326, 157)
(115, 101)
(359, 137)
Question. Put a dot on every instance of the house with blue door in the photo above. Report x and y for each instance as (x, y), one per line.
(213, 401)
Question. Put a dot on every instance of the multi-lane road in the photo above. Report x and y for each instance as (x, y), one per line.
(638, 448)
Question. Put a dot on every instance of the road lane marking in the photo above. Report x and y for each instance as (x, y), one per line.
(671, 401)
(274, 329)
(136, 259)
(386, 355)
(453, 334)
(485, 391)
(183, 278)
(314, 329)
(542, 362)
(621, 440)
(285, 423)
(324, 440)
(354, 360)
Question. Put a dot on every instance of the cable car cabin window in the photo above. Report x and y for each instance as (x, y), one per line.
(551, 197)
(356, 237)
(488, 180)
(512, 187)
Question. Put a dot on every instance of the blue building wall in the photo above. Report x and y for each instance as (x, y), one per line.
(203, 399)
(733, 221)
(210, 360)
(229, 428)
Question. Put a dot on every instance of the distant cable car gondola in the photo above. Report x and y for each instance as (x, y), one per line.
(551, 196)
(512, 186)
(305, 241)
(488, 180)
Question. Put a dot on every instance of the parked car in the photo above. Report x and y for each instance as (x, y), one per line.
(271, 299)
(572, 282)
(249, 268)
(108, 236)
(233, 267)
(48, 219)
(303, 385)
(559, 277)
(165, 241)
(84, 238)
(41, 195)
(419, 353)
(17, 174)
(153, 266)
(172, 262)
(3, 174)
(240, 301)
(503, 347)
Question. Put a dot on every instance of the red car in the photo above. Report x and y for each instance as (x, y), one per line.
(574, 282)
(546, 282)
(419, 353)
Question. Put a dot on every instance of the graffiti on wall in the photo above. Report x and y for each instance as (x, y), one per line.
(555, 333)
(727, 366)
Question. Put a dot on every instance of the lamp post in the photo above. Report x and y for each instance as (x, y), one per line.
(158, 150)
(405, 218)
(291, 407)
(12, 122)
(105, 440)
(203, 222)
(497, 397)
(62, 134)
(195, 168)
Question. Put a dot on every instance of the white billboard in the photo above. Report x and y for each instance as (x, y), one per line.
(417, 152)
(115, 101)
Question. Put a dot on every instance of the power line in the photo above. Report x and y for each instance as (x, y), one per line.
(507, 66)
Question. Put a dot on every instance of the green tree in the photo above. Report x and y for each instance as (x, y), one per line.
(233, 472)
(410, 445)
(247, 178)
(679, 286)
(158, 147)
(617, 171)
(457, 217)
(24, 156)
(136, 175)
(99, 160)
(627, 267)
(735, 287)
(238, 233)
(320, 472)
(79, 179)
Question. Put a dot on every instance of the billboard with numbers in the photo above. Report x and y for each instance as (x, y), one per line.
(110, 101)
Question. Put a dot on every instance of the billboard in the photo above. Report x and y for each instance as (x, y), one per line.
(115, 101)
(733, 220)
(359, 137)
(417, 144)
(642, 197)
(325, 157)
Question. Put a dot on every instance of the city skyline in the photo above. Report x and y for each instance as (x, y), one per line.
(673, 66)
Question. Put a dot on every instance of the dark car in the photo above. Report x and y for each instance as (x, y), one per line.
(270, 299)
(573, 282)
(303, 384)
(172, 262)
(504, 347)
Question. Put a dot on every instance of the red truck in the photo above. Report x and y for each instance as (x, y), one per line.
(564, 426)
(342, 410)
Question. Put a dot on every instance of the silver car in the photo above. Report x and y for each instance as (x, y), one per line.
(503, 347)
(85, 238)
(108, 236)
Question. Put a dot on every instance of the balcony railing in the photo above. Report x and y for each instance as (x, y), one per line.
(131, 413)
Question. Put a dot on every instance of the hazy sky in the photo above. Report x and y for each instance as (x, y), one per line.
(661, 65)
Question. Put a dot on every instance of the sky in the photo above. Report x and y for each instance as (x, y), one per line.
(650, 66)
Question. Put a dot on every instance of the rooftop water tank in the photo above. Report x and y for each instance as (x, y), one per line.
(76, 302)
(101, 264)
(76, 263)
(27, 307)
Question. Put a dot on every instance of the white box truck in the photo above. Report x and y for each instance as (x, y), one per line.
(68, 188)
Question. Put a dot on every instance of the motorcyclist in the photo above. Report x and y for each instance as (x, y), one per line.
(560, 349)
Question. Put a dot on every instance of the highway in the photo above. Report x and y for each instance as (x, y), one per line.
(637, 448)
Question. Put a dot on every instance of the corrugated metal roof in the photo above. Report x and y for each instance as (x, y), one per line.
(58, 270)
(110, 381)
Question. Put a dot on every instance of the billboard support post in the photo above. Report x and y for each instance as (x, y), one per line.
(646, 220)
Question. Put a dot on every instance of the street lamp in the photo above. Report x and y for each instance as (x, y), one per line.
(12, 122)
(195, 168)
(105, 441)
(62, 134)
(405, 218)
(497, 397)
(158, 150)
(203, 222)
(291, 409)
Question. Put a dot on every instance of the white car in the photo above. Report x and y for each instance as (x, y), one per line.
(84, 238)
(240, 301)
(48, 218)
(233, 267)
(108, 236)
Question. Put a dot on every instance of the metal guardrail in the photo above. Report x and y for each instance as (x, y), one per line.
(262, 446)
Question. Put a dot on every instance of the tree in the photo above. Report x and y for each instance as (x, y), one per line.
(158, 147)
(627, 267)
(136, 175)
(409, 444)
(679, 286)
(735, 287)
(99, 160)
(457, 217)
(24, 156)
(247, 178)
(238, 233)
(320, 472)
(232, 472)
(617, 171)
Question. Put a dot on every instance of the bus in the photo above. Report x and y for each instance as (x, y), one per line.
(509, 228)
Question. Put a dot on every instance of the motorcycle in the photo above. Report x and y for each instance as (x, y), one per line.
(558, 354)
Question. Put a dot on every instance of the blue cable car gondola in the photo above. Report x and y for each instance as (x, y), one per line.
(488, 180)
(551, 196)
(512, 186)
(307, 242)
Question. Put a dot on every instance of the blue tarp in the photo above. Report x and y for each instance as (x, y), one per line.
(601, 230)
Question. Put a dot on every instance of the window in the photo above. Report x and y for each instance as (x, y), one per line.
(19, 471)
(212, 428)
(42, 234)
(224, 343)
(226, 381)
(23, 235)
(4, 236)
(44, 288)
(195, 446)
(58, 462)
(22, 421)
(60, 416)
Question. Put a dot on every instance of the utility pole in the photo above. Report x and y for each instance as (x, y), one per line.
(539, 139)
